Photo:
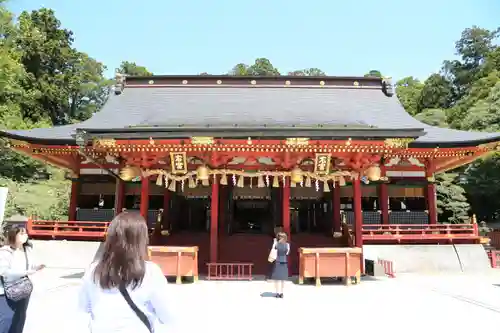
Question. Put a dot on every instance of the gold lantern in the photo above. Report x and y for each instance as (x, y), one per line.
(128, 173)
(202, 173)
(373, 173)
(296, 175)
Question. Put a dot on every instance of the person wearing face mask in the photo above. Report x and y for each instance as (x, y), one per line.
(17, 263)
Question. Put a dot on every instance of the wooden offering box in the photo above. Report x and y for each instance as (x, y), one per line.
(330, 262)
(176, 261)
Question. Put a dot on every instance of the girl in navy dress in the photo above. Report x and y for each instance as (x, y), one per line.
(280, 269)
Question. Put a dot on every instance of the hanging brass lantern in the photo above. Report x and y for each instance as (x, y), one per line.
(296, 175)
(373, 173)
(202, 173)
(129, 172)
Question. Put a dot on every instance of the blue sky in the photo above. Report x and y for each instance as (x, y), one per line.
(397, 37)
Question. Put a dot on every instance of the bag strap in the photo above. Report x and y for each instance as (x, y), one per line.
(26, 256)
(138, 312)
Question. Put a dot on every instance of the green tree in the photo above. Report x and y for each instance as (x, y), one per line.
(132, 69)
(452, 204)
(435, 94)
(308, 72)
(483, 187)
(433, 117)
(374, 73)
(473, 47)
(88, 89)
(479, 91)
(485, 114)
(408, 90)
(261, 67)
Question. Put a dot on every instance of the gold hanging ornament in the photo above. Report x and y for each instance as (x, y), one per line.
(202, 173)
(173, 186)
(326, 188)
(341, 181)
(276, 182)
(373, 173)
(308, 182)
(296, 175)
(191, 182)
(223, 179)
(129, 172)
(159, 180)
(260, 182)
(292, 184)
(205, 182)
(241, 182)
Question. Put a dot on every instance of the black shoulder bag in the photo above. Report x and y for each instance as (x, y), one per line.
(138, 312)
(19, 289)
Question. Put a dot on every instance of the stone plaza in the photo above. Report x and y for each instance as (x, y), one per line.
(407, 303)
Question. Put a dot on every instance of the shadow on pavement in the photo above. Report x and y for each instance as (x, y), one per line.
(73, 276)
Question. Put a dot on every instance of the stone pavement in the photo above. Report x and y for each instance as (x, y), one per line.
(409, 303)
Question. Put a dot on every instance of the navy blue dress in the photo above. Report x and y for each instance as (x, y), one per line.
(280, 269)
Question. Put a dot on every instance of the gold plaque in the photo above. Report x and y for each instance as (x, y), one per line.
(401, 143)
(202, 140)
(178, 162)
(104, 143)
(297, 141)
(322, 164)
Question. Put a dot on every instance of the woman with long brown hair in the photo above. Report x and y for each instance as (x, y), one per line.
(16, 264)
(123, 291)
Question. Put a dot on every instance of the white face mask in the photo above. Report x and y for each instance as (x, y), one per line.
(23, 238)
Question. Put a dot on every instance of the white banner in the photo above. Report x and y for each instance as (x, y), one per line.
(3, 201)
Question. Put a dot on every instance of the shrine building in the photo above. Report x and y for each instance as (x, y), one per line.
(220, 161)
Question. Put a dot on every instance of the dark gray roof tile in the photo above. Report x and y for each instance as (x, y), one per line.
(254, 107)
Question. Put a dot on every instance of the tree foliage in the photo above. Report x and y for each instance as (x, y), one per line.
(452, 204)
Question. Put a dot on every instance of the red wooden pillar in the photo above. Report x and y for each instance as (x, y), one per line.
(166, 205)
(358, 214)
(383, 197)
(336, 208)
(214, 221)
(431, 193)
(144, 197)
(73, 199)
(119, 196)
(286, 207)
(431, 203)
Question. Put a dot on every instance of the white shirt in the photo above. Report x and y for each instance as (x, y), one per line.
(110, 312)
(13, 264)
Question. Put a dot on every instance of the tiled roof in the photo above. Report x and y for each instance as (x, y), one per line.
(250, 107)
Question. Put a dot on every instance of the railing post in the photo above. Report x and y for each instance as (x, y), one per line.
(29, 225)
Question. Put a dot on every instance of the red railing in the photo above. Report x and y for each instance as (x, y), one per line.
(388, 267)
(70, 229)
(389, 233)
(494, 257)
(420, 232)
(229, 271)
